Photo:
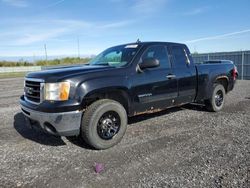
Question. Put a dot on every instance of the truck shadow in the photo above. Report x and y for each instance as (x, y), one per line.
(147, 116)
(78, 141)
(195, 107)
(35, 134)
(39, 136)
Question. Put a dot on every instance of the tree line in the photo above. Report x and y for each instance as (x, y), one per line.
(63, 61)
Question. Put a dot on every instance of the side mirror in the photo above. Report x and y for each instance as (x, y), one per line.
(149, 63)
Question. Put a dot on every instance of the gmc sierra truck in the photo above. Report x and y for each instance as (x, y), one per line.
(94, 100)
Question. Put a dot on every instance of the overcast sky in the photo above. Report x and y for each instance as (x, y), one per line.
(206, 26)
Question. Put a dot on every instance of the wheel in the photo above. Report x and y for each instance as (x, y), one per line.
(104, 123)
(217, 101)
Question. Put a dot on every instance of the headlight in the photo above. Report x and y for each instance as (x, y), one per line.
(57, 91)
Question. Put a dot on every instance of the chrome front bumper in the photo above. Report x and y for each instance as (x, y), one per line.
(63, 123)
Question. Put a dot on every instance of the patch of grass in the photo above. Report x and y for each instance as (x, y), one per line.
(59, 62)
(12, 74)
(63, 61)
(14, 64)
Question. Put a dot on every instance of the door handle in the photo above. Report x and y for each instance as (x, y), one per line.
(171, 76)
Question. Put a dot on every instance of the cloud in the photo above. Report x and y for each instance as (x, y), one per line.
(219, 36)
(195, 11)
(16, 3)
(141, 7)
(55, 3)
(147, 6)
(116, 24)
(116, 1)
(32, 38)
(34, 31)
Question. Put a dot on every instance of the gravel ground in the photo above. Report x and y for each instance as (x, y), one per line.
(179, 147)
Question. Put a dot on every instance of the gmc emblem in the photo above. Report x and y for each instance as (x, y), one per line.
(29, 90)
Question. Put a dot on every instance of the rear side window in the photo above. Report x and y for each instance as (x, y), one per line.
(158, 52)
(179, 56)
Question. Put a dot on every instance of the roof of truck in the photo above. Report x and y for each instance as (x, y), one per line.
(155, 42)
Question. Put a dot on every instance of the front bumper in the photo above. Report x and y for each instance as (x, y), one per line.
(62, 123)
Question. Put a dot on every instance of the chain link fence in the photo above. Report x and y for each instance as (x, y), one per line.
(240, 58)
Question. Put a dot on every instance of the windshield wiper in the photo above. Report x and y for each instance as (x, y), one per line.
(104, 64)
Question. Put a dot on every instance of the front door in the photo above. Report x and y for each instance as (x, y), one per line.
(154, 88)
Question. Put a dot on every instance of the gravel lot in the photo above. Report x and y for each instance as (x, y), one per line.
(179, 147)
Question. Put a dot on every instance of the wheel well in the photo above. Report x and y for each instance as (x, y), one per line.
(118, 95)
(224, 82)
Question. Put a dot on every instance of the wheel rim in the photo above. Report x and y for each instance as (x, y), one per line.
(219, 98)
(108, 125)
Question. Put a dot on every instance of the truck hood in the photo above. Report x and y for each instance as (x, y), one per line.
(60, 73)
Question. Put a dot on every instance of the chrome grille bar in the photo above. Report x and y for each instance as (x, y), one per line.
(33, 90)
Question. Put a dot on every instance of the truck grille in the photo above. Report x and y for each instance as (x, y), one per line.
(33, 90)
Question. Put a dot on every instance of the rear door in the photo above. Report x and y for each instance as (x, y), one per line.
(185, 72)
(154, 87)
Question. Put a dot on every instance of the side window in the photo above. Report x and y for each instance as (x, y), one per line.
(157, 52)
(179, 56)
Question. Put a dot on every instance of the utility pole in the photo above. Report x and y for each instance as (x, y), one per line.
(78, 46)
(45, 49)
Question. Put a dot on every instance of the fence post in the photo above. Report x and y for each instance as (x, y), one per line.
(242, 66)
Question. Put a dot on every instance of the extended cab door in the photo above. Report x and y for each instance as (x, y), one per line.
(185, 72)
(154, 88)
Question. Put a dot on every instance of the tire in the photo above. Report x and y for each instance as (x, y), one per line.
(217, 101)
(97, 118)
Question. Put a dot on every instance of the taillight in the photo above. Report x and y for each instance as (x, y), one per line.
(235, 73)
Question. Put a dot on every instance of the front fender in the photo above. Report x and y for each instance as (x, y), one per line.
(103, 84)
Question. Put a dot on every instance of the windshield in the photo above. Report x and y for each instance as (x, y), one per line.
(117, 56)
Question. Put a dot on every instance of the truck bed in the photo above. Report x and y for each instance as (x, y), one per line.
(208, 72)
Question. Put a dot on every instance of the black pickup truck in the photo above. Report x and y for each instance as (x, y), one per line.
(94, 100)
